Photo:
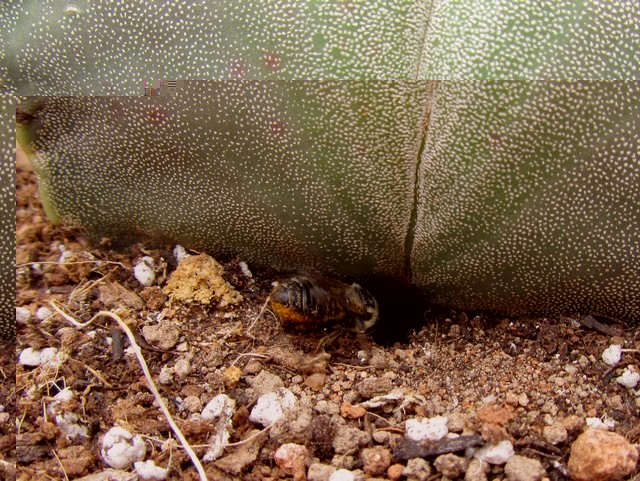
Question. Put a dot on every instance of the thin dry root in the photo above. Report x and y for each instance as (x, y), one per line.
(147, 375)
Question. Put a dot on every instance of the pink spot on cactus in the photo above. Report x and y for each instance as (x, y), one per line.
(361, 151)
(495, 139)
(238, 68)
(279, 130)
(157, 115)
(272, 61)
(347, 7)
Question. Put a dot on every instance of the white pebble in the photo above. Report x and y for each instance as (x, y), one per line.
(427, 429)
(272, 406)
(120, 448)
(495, 453)
(629, 377)
(220, 410)
(32, 357)
(179, 253)
(43, 313)
(342, 475)
(597, 423)
(145, 271)
(221, 405)
(611, 355)
(245, 269)
(22, 315)
(149, 471)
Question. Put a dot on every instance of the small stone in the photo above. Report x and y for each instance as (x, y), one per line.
(145, 271)
(521, 468)
(599, 455)
(612, 355)
(316, 381)
(342, 475)
(272, 406)
(348, 411)
(231, 376)
(320, 472)
(450, 465)
(192, 404)
(373, 387)
(476, 471)
(291, 459)
(417, 468)
(629, 377)
(22, 315)
(120, 448)
(163, 336)
(395, 472)
(523, 399)
(43, 313)
(495, 453)
(381, 437)
(432, 429)
(349, 439)
(375, 460)
(265, 382)
(182, 368)
(555, 434)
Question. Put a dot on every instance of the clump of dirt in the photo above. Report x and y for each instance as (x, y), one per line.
(200, 279)
(457, 398)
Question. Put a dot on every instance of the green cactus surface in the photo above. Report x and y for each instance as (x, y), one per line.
(484, 152)
(7, 217)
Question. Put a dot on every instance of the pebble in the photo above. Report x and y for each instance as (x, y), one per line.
(22, 315)
(612, 355)
(148, 470)
(476, 471)
(432, 429)
(342, 475)
(265, 382)
(495, 453)
(394, 472)
(555, 434)
(521, 468)
(629, 377)
(192, 404)
(163, 336)
(320, 472)
(272, 406)
(599, 455)
(180, 253)
(182, 368)
(120, 448)
(376, 460)
(417, 468)
(43, 313)
(291, 459)
(349, 439)
(32, 357)
(145, 271)
(450, 465)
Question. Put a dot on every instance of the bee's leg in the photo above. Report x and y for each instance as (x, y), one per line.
(329, 339)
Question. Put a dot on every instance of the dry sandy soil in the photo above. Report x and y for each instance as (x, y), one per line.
(530, 381)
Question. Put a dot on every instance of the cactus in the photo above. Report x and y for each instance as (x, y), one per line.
(378, 139)
(7, 219)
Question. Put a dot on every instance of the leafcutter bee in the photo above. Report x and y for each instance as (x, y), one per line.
(313, 300)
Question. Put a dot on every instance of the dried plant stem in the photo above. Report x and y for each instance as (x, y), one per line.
(147, 374)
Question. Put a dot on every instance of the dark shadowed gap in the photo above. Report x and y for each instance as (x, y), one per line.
(402, 308)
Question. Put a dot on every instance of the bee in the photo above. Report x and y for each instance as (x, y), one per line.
(305, 300)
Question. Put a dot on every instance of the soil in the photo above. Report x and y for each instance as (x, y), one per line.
(531, 381)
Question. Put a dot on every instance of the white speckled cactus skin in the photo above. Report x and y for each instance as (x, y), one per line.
(7, 217)
(408, 152)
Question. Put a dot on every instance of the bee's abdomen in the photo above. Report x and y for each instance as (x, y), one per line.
(299, 301)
